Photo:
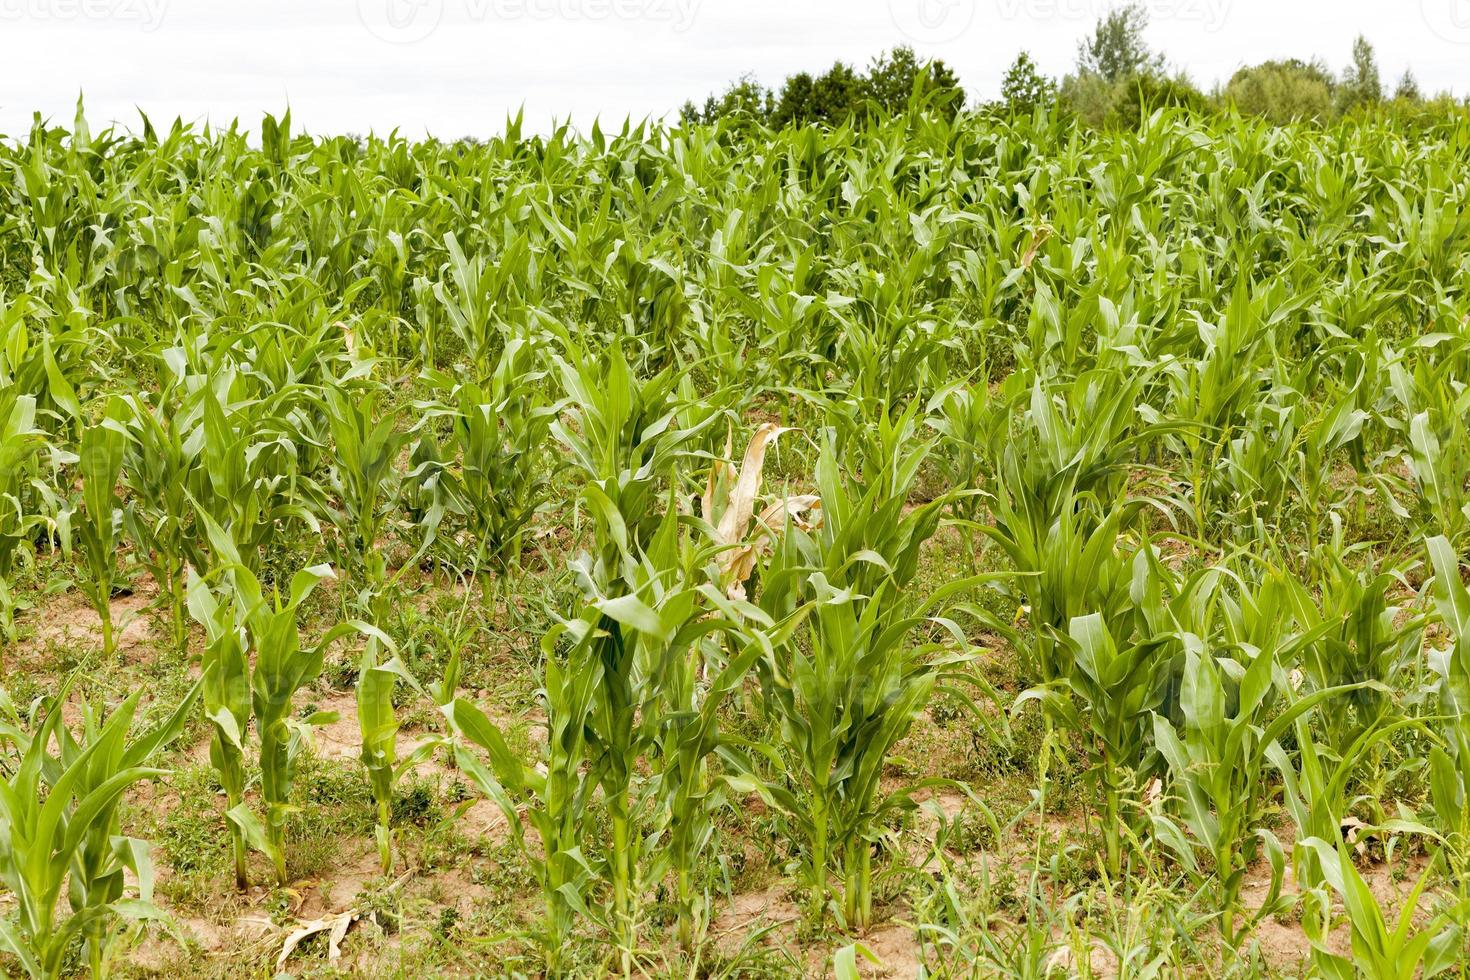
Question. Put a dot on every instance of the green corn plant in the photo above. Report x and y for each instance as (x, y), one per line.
(1120, 668)
(226, 700)
(1213, 382)
(1263, 320)
(485, 478)
(250, 478)
(1380, 950)
(1441, 465)
(1365, 639)
(20, 441)
(59, 830)
(688, 787)
(1235, 705)
(378, 723)
(1316, 788)
(1071, 439)
(1340, 427)
(859, 676)
(601, 698)
(850, 683)
(473, 292)
(621, 435)
(157, 466)
(609, 709)
(1075, 566)
(454, 639)
(97, 873)
(97, 528)
(282, 667)
(365, 443)
(255, 643)
(1054, 502)
(1254, 474)
(1449, 764)
(1434, 402)
(1110, 697)
(960, 413)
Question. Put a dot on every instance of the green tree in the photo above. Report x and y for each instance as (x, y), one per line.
(796, 103)
(836, 94)
(1408, 88)
(1025, 87)
(893, 79)
(1361, 85)
(829, 98)
(1116, 49)
(834, 97)
(745, 98)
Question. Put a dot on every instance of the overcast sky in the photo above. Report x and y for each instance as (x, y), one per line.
(456, 67)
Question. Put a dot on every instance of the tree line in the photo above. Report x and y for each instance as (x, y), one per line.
(1117, 80)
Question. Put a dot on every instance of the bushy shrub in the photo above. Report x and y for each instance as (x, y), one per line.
(1127, 102)
(1283, 91)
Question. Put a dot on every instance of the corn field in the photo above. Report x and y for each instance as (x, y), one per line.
(928, 547)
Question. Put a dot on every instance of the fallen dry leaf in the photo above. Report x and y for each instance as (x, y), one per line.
(335, 926)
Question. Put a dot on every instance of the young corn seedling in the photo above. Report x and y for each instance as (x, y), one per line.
(378, 722)
(1449, 764)
(20, 441)
(255, 645)
(100, 520)
(226, 700)
(1109, 698)
(1235, 706)
(1380, 950)
(365, 441)
(850, 683)
(159, 460)
(608, 700)
(477, 492)
(59, 828)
